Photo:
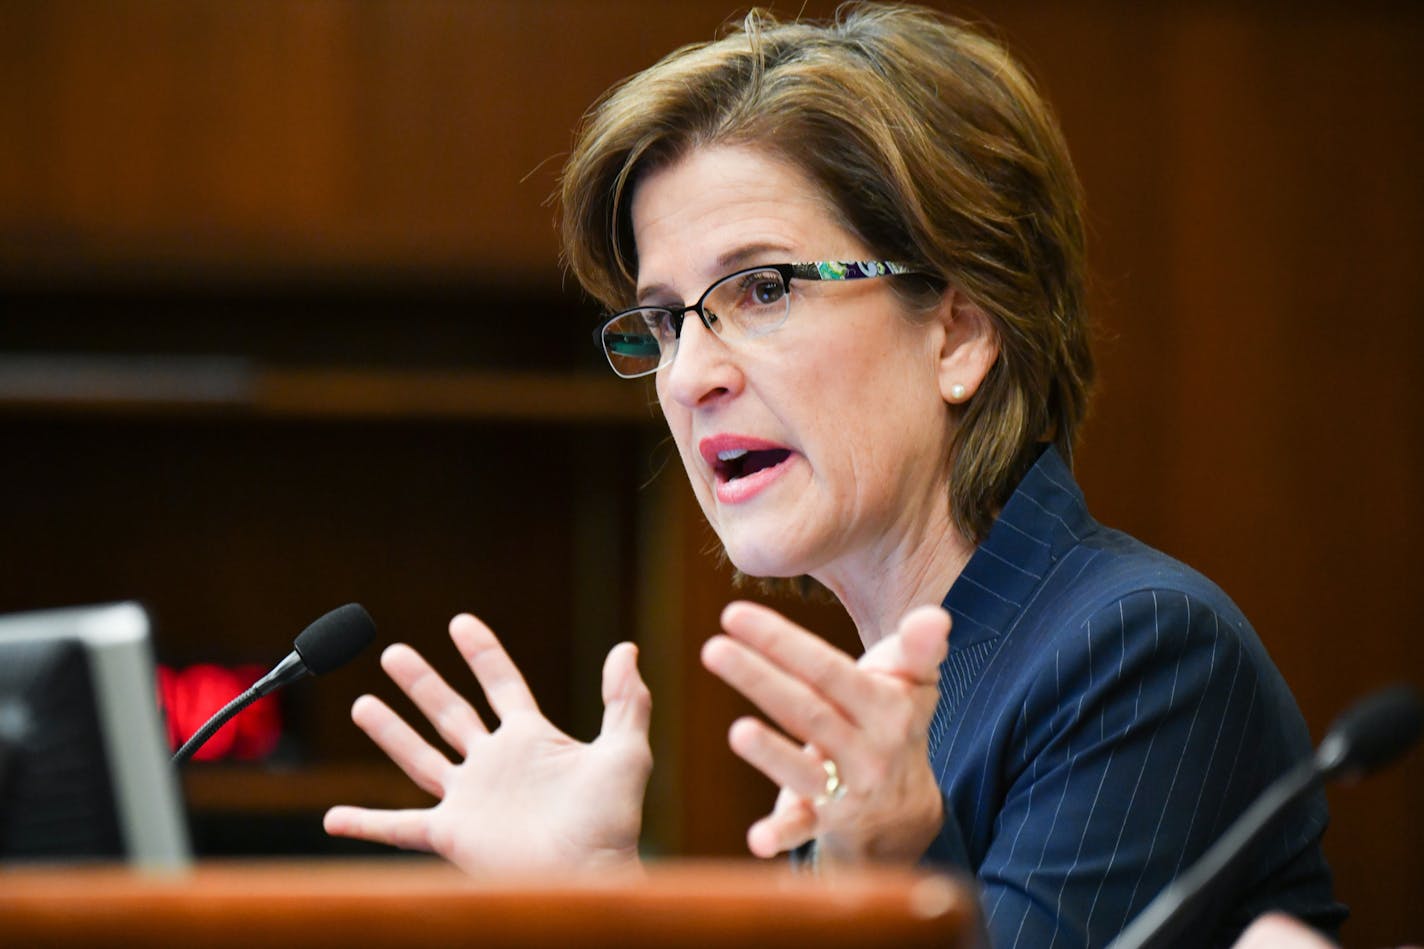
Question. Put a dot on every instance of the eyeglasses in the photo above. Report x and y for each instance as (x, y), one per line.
(742, 305)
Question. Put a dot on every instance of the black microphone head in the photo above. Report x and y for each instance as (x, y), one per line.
(1372, 732)
(335, 638)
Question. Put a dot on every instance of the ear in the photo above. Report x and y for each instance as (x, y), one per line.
(969, 347)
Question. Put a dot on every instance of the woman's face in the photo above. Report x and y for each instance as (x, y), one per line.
(843, 404)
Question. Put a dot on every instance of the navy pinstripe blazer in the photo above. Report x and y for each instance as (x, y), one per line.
(1105, 713)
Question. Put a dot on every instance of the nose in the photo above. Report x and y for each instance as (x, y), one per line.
(703, 368)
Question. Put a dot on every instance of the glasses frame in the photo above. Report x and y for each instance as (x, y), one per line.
(807, 270)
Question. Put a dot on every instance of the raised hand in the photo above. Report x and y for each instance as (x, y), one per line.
(524, 797)
(870, 717)
(1279, 931)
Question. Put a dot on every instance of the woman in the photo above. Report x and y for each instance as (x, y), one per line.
(852, 257)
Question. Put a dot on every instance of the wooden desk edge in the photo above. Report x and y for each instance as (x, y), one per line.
(423, 903)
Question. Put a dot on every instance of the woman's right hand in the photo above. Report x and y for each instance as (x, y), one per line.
(524, 797)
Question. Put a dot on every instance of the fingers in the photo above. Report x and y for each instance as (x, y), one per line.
(451, 715)
(790, 825)
(627, 703)
(805, 655)
(421, 763)
(820, 695)
(791, 766)
(790, 702)
(406, 829)
(501, 680)
(916, 650)
(869, 717)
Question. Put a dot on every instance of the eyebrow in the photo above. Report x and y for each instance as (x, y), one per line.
(729, 262)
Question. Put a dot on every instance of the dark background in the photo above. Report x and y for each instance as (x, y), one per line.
(282, 325)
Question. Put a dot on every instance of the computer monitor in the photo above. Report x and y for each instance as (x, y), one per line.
(84, 767)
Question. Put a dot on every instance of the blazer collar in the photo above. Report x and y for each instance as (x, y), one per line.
(1044, 518)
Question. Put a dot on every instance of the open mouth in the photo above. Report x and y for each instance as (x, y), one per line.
(739, 462)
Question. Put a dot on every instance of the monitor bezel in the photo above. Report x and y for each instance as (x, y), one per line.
(116, 639)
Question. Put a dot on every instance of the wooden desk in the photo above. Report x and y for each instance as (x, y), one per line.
(416, 903)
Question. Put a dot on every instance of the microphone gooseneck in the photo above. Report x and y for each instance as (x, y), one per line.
(331, 641)
(1367, 736)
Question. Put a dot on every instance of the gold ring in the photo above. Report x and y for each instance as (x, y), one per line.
(835, 788)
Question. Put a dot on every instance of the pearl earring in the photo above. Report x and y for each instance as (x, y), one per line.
(957, 392)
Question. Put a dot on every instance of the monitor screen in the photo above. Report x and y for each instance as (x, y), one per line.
(84, 768)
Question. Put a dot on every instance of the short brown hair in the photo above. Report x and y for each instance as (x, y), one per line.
(934, 148)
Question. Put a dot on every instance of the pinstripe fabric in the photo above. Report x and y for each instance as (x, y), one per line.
(1105, 712)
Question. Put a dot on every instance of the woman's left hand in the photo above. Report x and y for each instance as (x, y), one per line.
(869, 717)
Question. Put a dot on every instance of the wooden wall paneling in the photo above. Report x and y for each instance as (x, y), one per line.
(1299, 221)
(717, 794)
(167, 138)
(1105, 76)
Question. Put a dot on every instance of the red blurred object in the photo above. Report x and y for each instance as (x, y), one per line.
(191, 696)
(259, 726)
(167, 681)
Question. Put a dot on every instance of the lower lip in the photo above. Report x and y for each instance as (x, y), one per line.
(744, 489)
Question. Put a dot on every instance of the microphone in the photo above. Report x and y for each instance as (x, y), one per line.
(1371, 733)
(331, 641)
(1367, 736)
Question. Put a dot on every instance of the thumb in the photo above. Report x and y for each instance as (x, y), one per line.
(915, 650)
(627, 703)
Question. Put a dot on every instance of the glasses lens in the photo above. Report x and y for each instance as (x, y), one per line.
(750, 303)
(635, 341)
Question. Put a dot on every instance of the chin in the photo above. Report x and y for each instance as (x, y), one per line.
(762, 559)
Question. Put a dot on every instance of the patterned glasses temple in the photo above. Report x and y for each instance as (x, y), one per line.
(848, 269)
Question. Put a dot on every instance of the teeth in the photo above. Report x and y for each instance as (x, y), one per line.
(731, 454)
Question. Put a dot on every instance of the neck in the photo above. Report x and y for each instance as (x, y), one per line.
(885, 584)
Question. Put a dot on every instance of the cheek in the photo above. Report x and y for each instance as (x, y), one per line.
(673, 414)
(679, 423)
(891, 411)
